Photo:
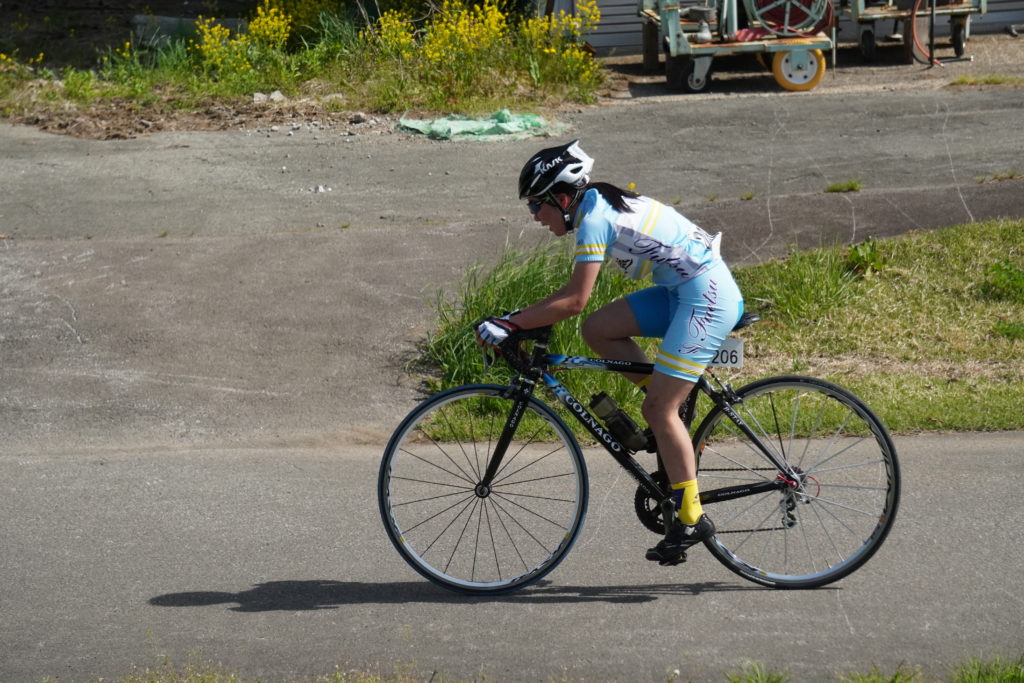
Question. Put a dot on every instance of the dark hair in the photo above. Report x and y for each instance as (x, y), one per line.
(612, 194)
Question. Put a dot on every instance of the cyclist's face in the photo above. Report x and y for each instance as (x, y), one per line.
(551, 217)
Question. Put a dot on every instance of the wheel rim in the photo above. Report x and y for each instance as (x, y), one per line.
(472, 538)
(790, 77)
(832, 516)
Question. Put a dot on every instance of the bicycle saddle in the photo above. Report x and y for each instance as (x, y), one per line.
(748, 318)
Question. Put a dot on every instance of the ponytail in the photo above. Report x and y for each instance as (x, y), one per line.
(614, 195)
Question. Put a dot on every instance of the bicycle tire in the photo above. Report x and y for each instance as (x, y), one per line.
(830, 522)
(482, 541)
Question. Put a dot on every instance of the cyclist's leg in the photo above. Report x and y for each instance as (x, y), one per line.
(707, 309)
(609, 331)
(661, 411)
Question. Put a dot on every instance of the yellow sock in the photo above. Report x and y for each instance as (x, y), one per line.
(690, 510)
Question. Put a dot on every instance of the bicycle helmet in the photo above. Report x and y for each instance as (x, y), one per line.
(549, 167)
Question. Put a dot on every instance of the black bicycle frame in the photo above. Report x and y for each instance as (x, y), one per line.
(522, 390)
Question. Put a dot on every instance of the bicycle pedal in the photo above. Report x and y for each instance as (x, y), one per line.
(673, 562)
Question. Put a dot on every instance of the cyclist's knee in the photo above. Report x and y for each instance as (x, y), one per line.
(592, 330)
(658, 412)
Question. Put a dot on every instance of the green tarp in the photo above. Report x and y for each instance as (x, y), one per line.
(502, 125)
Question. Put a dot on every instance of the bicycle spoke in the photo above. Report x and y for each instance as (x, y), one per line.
(431, 518)
(473, 538)
(837, 504)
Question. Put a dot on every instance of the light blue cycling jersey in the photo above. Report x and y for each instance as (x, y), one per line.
(695, 302)
(653, 241)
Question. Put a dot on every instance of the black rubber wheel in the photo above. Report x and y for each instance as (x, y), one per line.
(680, 75)
(958, 37)
(466, 536)
(836, 510)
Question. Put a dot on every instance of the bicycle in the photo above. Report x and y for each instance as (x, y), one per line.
(483, 488)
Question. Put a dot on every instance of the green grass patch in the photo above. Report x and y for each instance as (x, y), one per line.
(987, 79)
(999, 177)
(852, 185)
(926, 328)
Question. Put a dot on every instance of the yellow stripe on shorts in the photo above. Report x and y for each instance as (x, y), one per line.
(679, 364)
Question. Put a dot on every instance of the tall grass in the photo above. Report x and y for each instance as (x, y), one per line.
(458, 55)
(928, 335)
(519, 277)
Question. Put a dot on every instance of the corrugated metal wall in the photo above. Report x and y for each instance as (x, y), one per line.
(619, 32)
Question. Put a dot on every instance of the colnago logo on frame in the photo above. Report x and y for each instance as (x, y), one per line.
(569, 400)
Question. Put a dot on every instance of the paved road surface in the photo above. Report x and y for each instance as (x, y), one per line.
(274, 563)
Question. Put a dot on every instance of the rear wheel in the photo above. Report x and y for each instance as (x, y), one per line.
(681, 73)
(466, 536)
(826, 521)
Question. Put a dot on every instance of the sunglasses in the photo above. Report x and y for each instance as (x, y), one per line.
(534, 203)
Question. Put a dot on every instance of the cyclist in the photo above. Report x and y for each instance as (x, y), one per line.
(692, 306)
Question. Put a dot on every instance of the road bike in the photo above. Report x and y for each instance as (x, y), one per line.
(483, 488)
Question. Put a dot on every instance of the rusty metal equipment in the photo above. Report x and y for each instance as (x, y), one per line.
(917, 18)
(792, 32)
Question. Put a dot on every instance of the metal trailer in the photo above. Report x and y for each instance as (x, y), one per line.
(917, 18)
(790, 31)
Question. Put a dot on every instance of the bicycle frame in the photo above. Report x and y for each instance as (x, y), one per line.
(543, 364)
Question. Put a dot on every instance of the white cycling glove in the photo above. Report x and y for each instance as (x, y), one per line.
(493, 331)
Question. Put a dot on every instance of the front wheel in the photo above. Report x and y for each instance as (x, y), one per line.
(825, 520)
(473, 538)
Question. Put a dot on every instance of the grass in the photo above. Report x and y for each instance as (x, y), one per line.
(987, 79)
(998, 177)
(973, 670)
(852, 185)
(459, 57)
(927, 328)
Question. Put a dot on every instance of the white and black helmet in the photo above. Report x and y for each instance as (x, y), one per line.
(554, 166)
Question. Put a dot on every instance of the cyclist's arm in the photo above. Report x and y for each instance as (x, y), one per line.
(566, 302)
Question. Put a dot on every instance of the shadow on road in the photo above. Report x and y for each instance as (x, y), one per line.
(313, 595)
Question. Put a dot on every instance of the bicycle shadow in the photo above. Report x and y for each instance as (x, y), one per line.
(323, 594)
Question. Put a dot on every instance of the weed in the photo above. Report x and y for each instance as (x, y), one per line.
(852, 185)
(747, 196)
(1005, 282)
(1012, 174)
(463, 57)
(988, 79)
(1010, 329)
(865, 259)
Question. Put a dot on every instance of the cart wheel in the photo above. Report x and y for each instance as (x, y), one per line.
(793, 78)
(867, 45)
(958, 37)
(680, 73)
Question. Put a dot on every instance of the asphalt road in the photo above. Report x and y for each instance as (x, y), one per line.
(273, 563)
(200, 359)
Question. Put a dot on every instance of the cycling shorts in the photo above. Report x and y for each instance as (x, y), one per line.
(692, 318)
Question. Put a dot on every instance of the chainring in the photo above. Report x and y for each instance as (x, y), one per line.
(648, 510)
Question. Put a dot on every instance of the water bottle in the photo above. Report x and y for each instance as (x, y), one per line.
(619, 423)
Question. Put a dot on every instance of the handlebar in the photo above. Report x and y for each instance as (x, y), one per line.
(511, 350)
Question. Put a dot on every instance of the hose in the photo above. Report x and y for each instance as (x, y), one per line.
(913, 35)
